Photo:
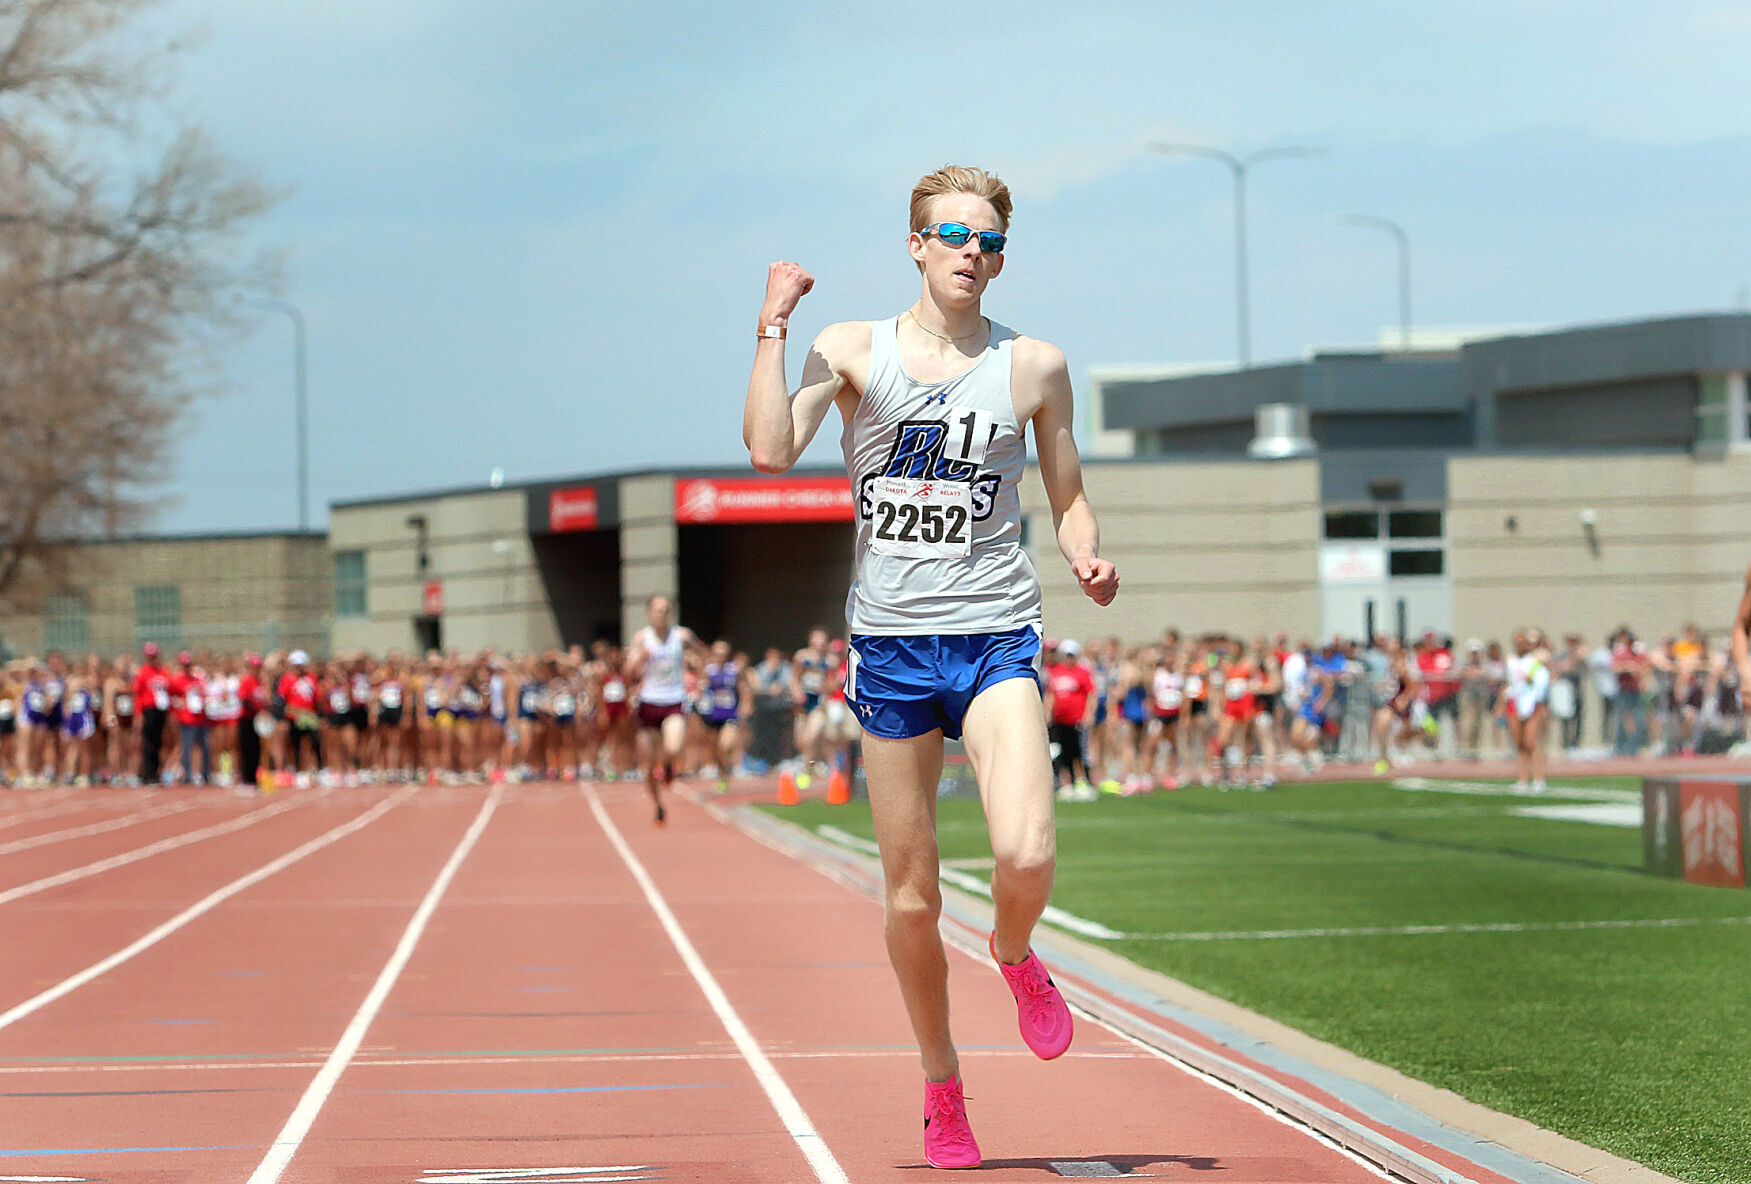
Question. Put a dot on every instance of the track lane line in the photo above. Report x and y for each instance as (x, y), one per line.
(205, 905)
(158, 848)
(97, 828)
(796, 1122)
(291, 1137)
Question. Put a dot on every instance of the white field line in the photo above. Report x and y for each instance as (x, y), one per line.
(1097, 930)
(158, 848)
(201, 907)
(1505, 789)
(1421, 930)
(96, 828)
(1052, 916)
(292, 1135)
(796, 1121)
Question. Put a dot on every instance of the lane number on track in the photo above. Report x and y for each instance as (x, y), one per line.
(536, 1175)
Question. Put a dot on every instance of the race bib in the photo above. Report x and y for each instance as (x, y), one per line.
(124, 705)
(970, 432)
(434, 698)
(339, 702)
(161, 698)
(921, 518)
(36, 701)
(564, 705)
(614, 692)
(192, 701)
(390, 696)
(6, 709)
(1235, 688)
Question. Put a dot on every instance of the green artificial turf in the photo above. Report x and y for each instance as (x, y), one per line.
(1636, 1040)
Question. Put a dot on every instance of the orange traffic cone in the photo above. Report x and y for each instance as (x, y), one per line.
(787, 788)
(838, 788)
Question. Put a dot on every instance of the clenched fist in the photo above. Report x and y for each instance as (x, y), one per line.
(1098, 578)
(786, 284)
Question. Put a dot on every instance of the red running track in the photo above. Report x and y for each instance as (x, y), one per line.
(528, 984)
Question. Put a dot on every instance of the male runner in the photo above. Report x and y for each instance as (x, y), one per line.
(658, 657)
(945, 610)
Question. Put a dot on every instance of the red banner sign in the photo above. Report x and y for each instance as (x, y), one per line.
(433, 599)
(572, 509)
(763, 499)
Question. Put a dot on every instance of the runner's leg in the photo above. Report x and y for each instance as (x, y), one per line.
(903, 776)
(1005, 735)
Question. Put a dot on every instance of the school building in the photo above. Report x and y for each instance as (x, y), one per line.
(1575, 479)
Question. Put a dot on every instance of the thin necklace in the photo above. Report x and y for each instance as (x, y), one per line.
(984, 322)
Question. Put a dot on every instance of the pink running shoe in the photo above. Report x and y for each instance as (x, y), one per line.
(948, 1140)
(1040, 1009)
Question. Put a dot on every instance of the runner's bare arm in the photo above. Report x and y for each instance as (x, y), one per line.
(775, 426)
(1742, 637)
(1042, 373)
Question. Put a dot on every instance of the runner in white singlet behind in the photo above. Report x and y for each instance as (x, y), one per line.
(657, 659)
(945, 613)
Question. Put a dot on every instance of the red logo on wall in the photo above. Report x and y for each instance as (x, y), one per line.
(1709, 815)
(762, 499)
(572, 509)
(433, 599)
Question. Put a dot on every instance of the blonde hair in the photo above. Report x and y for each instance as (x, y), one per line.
(955, 178)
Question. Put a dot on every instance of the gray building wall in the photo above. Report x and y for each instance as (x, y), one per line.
(235, 592)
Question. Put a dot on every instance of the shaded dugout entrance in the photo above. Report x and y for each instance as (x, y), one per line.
(764, 584)
(760, 560)
(575, 539)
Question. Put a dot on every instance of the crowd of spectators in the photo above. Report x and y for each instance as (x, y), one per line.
(1127, 718)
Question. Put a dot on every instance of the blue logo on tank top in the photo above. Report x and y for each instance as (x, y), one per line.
(918, 453)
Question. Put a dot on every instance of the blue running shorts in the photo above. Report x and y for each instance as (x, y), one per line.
(902, 687)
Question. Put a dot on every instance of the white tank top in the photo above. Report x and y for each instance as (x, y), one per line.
(664, 680)
(937, 467)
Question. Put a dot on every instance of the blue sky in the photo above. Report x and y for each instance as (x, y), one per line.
(534, 235)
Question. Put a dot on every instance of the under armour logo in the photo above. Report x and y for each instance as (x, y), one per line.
(941, 400)
(868, 709)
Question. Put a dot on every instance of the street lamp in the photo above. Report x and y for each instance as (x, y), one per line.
(1404, 269)
(1238, 165)
(296, 316)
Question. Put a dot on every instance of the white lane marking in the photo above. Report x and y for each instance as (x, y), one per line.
(367, 1062)
(529, 1175)
(1624, 814)
(1505, 789)
(95, 828)
(151, 849)
(1422, 930)
(199, 908)
(22, 814)
(292, 1135)
(790, 1111)
(1052, 916)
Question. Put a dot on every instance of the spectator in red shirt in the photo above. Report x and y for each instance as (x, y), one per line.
(299, 690)
(152, 696)
(188, 692)
(1070, 699)
(1441, 683)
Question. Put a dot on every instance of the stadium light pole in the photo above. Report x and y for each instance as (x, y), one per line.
(1239, 166)
(302, 403)
(1404, 269)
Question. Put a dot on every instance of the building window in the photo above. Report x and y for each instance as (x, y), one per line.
(1416, 563)
(349, 583)
(1712, 410)
(1414, 524)
(158, 614)
(1352, 524)
(66, 624)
